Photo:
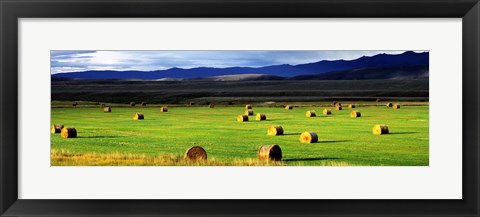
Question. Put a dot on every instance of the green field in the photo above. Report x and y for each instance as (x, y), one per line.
(343, 141)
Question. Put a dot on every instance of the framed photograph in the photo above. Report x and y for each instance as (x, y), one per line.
(239, 108)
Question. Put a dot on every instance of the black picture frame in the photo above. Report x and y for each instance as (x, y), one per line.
(12, 10)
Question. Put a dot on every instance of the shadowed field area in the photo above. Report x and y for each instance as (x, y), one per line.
(238, 92)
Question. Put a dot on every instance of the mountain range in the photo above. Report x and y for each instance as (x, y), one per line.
(408, 65)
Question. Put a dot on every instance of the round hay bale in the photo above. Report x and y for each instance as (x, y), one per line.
(138, 116)
(275, 130)
(327, 111)
(396, 106)
(351, 105)
(69, 133)
(211, 105)
(164, 109)
(270, 152)
(338, 107)
(355, 114)
(57, 128)
(242, 118)
(310, 114)
(260, 117)
(248, 106)
(288, 107)
(132, 103)
(196, 153)
(389, 104)
(107, 109)
(144, 104)
(380, 129)
(249, 112)
(308, 137)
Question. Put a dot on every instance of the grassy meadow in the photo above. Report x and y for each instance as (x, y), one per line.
(162, 138)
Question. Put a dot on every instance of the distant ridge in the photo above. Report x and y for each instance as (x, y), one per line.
(372, 73)
(408, 65)
(237, 77)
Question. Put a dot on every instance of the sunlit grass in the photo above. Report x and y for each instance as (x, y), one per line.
(162, 138)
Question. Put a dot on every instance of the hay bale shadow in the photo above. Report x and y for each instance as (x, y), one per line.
(98, 137)
(334, 141)
(311, 159)
(291, 134)
(402, 133)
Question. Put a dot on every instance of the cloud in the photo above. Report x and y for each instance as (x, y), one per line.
(74, 61)
(67, 53)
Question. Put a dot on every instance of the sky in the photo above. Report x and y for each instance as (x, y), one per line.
(75, 60)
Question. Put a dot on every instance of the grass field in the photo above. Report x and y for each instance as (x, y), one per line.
(162, 138)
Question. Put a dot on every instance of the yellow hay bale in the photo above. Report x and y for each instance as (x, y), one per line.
(69, 133)
(351, 105)
(249, 112)
(138, 116)
(310, 114)
(389, 104)
(338, 107)
(107, 109)
(308, 137)
(327, 111)
(57, 128)
(355, 114)
(248, 106)
(164, 109)
(144, 104)
(260, 117)
(380, 129)
(270, 152)
(196, 153)
(211, 105)
(242, 118)
(288, 107)
(396, 106)
(132, 103)
(275, 130)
